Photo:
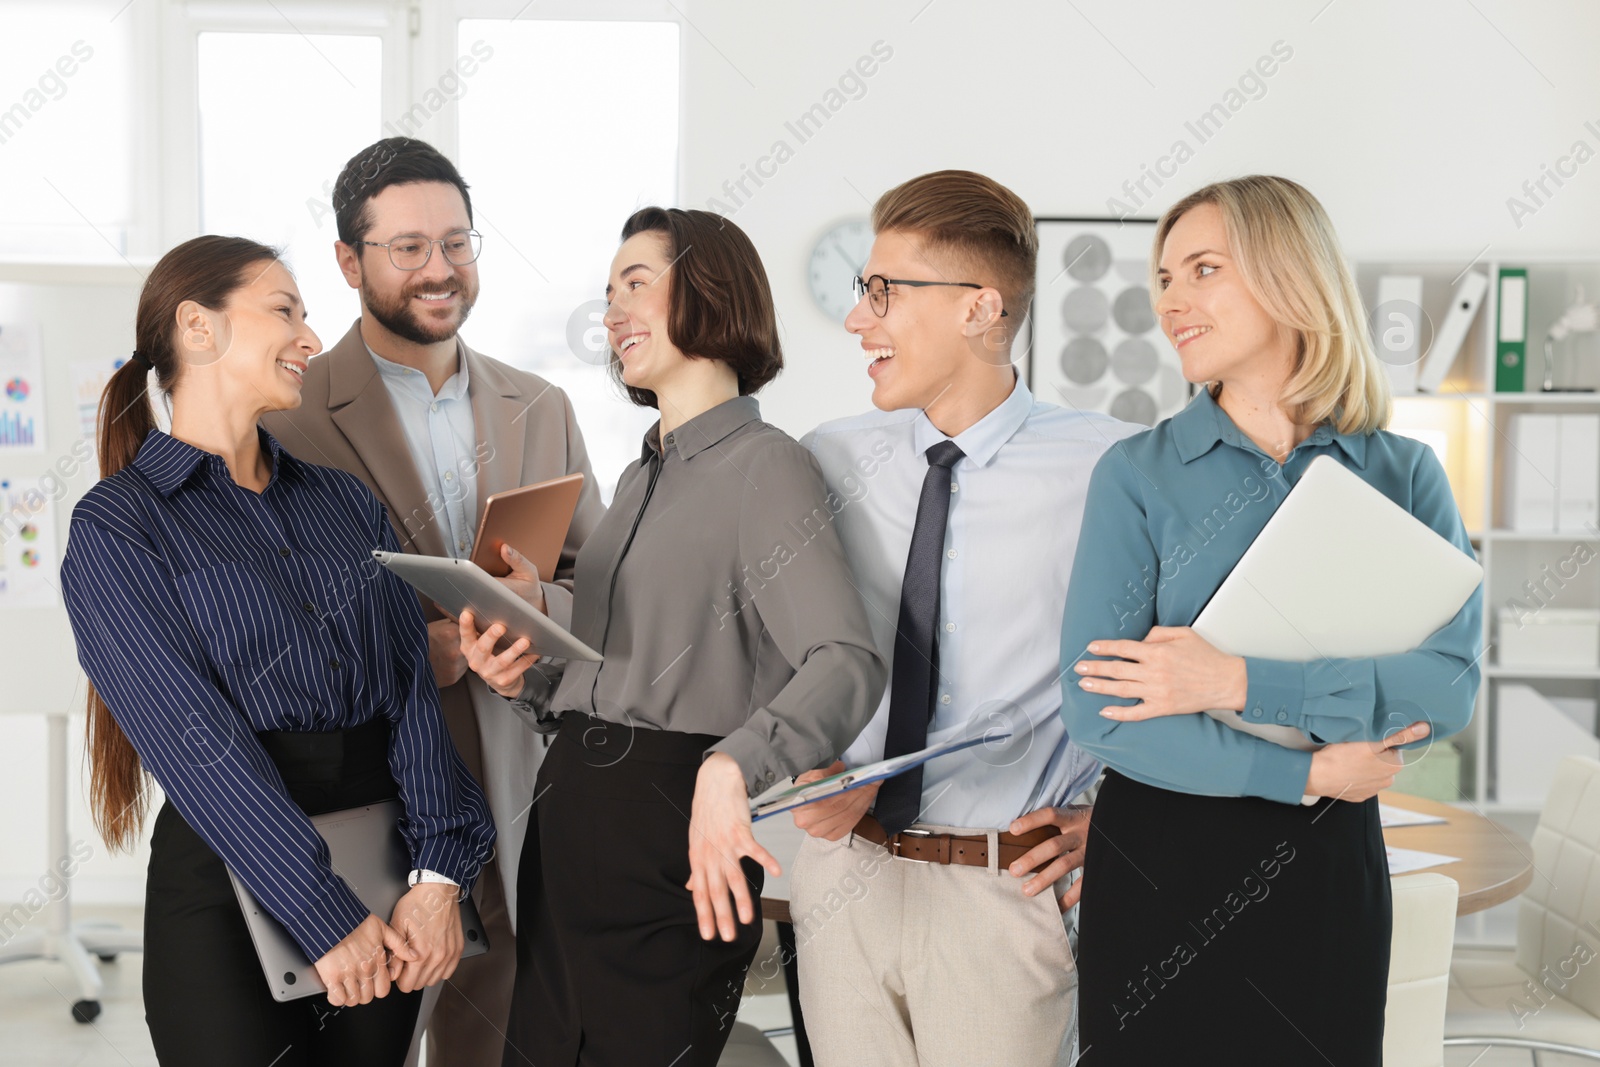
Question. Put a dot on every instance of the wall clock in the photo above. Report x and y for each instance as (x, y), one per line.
(839, 255)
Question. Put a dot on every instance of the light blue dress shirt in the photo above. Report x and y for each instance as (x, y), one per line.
(1016, 505)
(441, 433)
(1170, 512)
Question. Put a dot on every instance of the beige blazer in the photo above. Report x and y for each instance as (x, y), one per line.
(526, 433)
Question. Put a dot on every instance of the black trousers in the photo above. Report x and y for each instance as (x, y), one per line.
(206, 1000)
(611, 968)
(1232, 930)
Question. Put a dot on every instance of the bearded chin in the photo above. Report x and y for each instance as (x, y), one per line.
(401, 318)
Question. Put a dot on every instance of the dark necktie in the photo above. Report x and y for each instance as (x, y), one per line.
(916, 643)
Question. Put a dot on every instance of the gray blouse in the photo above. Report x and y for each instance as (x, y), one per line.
(717, 591)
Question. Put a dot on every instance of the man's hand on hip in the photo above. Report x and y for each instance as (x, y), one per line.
(1059, 856)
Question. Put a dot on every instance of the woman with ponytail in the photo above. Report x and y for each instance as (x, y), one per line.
(244, 651)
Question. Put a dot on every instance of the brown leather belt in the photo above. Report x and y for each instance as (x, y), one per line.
(925, 846)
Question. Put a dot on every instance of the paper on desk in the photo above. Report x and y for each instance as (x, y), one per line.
(1407, 860)
(1389, 815)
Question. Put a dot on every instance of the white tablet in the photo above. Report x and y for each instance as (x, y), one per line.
(458, 584)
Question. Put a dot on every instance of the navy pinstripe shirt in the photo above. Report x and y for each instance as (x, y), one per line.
(205, 612)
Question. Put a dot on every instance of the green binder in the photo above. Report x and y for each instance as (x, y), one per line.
(1511, 331)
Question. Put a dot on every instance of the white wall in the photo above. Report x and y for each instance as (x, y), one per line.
(1413, 122)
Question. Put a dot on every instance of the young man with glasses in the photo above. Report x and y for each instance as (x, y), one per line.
(434, 428)
(962, 539)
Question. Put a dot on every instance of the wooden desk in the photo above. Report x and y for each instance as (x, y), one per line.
(1496, 864)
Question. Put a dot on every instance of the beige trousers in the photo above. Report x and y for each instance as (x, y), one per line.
(906, 964)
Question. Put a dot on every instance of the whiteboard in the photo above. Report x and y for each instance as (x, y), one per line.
(81, 313)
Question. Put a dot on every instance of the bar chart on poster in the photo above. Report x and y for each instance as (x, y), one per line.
(63, 330)
(60, 340)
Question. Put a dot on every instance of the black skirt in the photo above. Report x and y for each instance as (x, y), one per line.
(1232, 930)
(611, 968)
(206, 999)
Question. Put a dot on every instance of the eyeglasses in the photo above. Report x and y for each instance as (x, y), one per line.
(411, 251)
(876, 290)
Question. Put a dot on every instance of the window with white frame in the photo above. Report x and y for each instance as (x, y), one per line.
(134, 125)
(271, 144)
(67, 130)
(558, 155)
(517, 103)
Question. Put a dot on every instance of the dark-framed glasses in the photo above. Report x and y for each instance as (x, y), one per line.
(876, 290)
(411, 251)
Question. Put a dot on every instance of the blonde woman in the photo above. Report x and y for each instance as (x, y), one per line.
(1220, 913)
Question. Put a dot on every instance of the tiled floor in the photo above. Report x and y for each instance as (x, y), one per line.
(37, 1029)
(36, 1026)
(1507, 1058)
(771, 1012)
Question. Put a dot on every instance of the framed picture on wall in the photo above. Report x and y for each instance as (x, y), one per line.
(1094, 343)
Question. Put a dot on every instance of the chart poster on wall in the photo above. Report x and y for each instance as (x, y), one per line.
(21, 389)
(27, 547)
(1096, 345)
(89, 380)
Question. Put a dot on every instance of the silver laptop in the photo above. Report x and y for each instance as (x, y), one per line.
(370, 855)
(1340, 570)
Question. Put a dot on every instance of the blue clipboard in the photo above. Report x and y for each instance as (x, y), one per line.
(856, 777)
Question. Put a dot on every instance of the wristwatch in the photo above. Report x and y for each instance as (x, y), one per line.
(417, 877)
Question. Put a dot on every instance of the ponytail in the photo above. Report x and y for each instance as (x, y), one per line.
(125, 417)
(206, 270)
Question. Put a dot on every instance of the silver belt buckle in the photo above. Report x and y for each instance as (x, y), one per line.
(911, 833)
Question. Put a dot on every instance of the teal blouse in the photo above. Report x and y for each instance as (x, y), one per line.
(1169, 513)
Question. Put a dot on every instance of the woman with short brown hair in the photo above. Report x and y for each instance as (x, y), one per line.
(736, 652)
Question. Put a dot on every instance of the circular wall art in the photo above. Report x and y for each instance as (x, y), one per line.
(1095, 342)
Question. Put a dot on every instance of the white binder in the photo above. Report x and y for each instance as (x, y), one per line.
(1397, 329)
(1578, 473)
(1453, 331)
(1534, 466)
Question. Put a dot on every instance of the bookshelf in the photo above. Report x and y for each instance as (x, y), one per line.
(1469, 424)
